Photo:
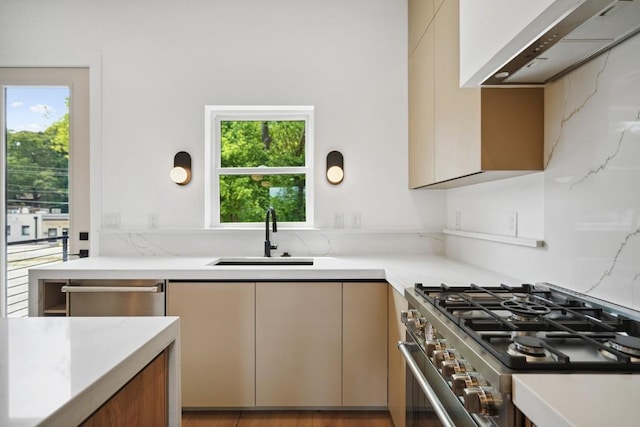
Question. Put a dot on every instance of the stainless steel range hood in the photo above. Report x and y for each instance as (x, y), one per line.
(589, 30)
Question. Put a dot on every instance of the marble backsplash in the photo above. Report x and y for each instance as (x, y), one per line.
(247, 242)
(590, 189)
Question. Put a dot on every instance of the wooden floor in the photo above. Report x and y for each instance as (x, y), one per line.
(286, 419)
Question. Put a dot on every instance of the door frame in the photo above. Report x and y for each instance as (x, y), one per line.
(55, 60)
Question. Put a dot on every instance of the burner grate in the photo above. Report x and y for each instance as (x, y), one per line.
(492, 316)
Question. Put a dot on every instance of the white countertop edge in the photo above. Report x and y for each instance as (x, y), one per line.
(578, 399)
(401, 271)
(535, 407)
(240, 273)
(78, 409)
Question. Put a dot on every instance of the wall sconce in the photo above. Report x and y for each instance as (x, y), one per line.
(335, 167)
(181, 172)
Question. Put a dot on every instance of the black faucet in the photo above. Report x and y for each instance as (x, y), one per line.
(267, 242)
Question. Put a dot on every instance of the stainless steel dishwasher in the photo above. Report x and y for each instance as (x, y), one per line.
(115, 297)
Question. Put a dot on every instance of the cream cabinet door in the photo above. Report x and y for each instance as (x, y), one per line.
(397, 367)
(298, 344)
(420, 14)
(457, 111)
(422, 112)
(364, 344)
(217, 330)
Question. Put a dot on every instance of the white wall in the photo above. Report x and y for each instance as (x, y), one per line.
(586, 205)
(163, 60)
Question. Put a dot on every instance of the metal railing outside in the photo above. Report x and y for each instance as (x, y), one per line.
(21, 256)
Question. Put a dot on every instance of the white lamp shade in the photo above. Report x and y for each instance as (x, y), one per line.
(179, 175)
(335, 174)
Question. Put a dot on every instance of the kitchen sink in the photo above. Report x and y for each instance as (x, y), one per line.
(261, 261)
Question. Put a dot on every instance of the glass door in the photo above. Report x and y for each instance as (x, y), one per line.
(41, 143)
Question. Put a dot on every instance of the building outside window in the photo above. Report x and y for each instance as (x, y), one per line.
(259, 157)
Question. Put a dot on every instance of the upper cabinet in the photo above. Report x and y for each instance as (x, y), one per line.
(460, 136)
(421, 109)
(420, 15)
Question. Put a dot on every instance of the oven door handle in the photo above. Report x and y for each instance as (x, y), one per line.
(439, 409)
(105, 289)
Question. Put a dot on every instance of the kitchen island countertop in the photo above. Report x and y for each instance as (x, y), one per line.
(58, 371)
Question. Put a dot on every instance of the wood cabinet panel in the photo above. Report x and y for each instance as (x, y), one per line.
(218, 350)
(457, 111)
(364, 344)
(421, 112)
(512, 128)
(420, 15)
(397, 366)
(298, 344)
(142, 401)
(460, 136)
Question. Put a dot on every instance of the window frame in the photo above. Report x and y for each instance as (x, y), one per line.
(214, 114)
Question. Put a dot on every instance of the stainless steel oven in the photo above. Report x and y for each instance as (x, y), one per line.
(115, 297)
(431, 402)
(464, 343)
(425, 405)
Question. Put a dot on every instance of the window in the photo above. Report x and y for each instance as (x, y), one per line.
(26, 230)
(259, 157)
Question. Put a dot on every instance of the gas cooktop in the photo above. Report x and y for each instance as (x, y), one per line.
(541, 327)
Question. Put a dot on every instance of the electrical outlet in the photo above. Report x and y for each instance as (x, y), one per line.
(356, 220)
(512, 224)
(111, 220)
(154, 220)
(458, 221)
(338, 220)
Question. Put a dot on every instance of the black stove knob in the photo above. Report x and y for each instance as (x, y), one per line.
(460, 381)
(479, 400)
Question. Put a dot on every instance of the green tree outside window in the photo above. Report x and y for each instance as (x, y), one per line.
(257, 144)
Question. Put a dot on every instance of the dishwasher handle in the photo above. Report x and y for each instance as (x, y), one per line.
(110, 289)
(439, 409)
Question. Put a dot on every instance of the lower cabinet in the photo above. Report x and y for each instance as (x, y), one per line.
(364, 344)
(142, 401)
(298, 344)
(282, 344)
(397, 365)
(217, 328)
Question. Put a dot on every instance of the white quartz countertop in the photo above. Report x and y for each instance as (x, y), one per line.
(584, 400)
(58, 371)
(548, 400)
(401, 271)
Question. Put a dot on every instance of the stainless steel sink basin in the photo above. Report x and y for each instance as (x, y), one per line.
(265, 261)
